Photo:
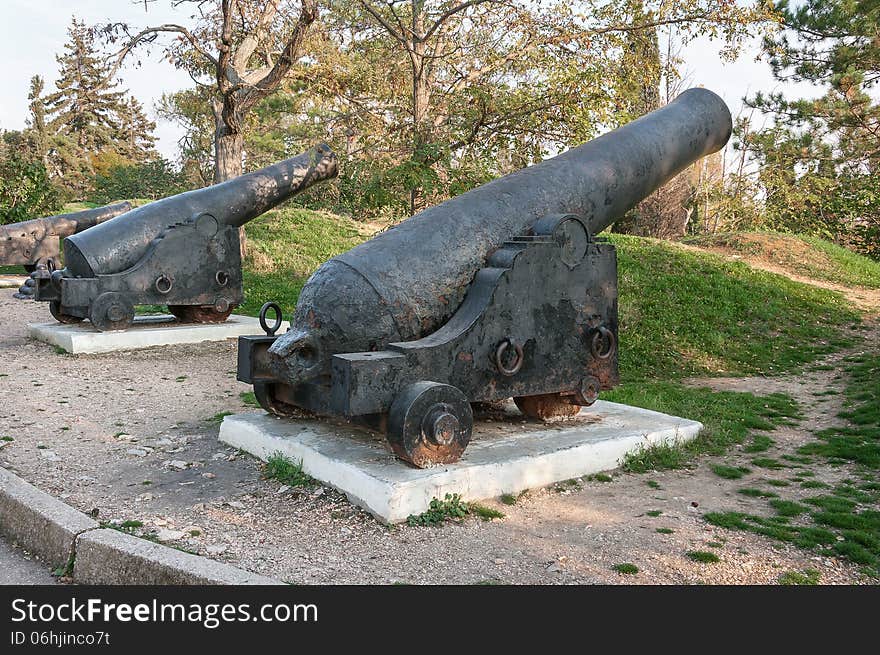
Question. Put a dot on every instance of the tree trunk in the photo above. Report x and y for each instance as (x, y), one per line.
(421, 98)
(228, 163)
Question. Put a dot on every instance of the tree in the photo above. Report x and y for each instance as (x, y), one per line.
(518, 75)
(135, 140)
(25, 189)
(37, 120)
(819, 160)
(248, 47)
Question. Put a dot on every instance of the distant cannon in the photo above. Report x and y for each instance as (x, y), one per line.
(182, 251)
(504, 291)
(38, 241)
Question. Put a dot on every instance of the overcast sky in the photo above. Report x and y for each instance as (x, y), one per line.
(34, 31)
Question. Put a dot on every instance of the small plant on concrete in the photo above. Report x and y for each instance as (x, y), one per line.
(280, 468)
(703, 557)
(626, 568)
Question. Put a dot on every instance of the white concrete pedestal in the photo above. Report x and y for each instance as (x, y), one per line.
(147, 331)
(504, 456)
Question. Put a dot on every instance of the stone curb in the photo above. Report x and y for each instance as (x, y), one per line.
(64, 537)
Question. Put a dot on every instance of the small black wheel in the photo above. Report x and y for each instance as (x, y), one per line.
(268, 399)
(430, 423)
(111, 311)
(60, 316)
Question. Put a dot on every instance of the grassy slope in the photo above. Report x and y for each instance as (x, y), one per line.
(802, 255)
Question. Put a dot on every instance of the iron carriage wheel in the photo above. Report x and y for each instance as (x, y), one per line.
(430, 423)
(60, 316)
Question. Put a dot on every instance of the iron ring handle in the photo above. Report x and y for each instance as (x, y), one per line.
(602, 334)
(499, 355)
(278, 318)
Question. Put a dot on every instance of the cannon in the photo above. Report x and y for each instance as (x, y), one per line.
(38, 241)
(182, 251)
(504, 291)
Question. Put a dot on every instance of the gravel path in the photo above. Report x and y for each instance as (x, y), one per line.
(131, 435)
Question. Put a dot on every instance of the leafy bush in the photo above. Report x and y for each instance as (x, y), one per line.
(25, 190)
(153, 180)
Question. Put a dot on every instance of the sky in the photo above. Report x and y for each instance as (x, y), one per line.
(34, 31)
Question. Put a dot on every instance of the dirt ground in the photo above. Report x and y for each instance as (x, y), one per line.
(134, 436)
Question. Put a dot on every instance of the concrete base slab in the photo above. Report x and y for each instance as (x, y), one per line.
(506, 455)
(147, 331)
(11, 281)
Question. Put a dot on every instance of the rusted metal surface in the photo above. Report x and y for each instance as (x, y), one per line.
(501, 292)
(182, 251)
(38, 241)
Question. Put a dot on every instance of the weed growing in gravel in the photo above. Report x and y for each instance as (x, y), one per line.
(249, 398)
(665, 530)
(451, 507)
(653, 484)
(703, 557)
(778, 483)
(759, 443)
(485, 513)
(654, 513)
(218, 417)
(508, 499)
(756, 493)
(59, 350)
(280, 468)
(6, 439)
(729, 472)
(768, 463)
(805, 577)
(599, 477)
(626, 568)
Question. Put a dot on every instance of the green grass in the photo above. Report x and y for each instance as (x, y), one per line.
(485, 513)
(599, 477)
(788, 507)
(729, 418)
(696, 313)
(768, 463)
(729, 472)
(280, 468)
(805, 577)
(626, 568)
(654, 513)
(758, 444)
(756, 493)
(218, 417)
(284, 247)
(703, 557)
(249, 398)
(664, 530)
(803, 255)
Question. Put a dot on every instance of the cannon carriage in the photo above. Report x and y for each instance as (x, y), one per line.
(504, 291)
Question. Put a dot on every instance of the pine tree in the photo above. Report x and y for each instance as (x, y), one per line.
(135, 140)
(84, 111)
(37, 120)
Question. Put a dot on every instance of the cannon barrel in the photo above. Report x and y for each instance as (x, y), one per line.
(35, 241)
(406, 282)
(118, 244)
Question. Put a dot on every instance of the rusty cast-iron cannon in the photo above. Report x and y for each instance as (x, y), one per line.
(38, 241)
(182, 251)
(504, 291)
